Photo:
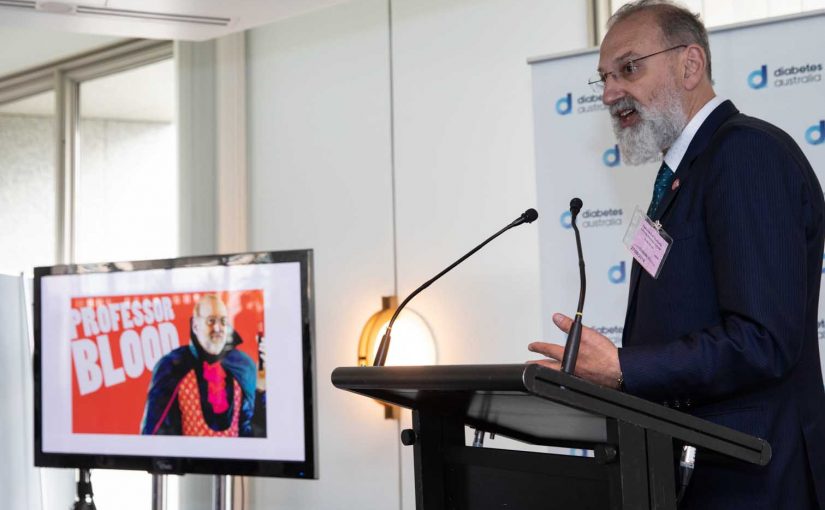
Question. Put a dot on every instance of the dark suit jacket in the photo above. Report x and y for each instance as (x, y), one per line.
(728, 332)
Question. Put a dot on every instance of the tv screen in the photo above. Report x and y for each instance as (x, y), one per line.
(190, 365)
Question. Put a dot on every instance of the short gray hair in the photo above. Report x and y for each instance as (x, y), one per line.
(678, 25)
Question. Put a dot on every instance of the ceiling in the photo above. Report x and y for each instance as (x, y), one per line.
(189, 20)
(31, 35)
(35, 46)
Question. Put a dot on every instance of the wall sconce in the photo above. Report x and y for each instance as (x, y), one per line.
(413, 342)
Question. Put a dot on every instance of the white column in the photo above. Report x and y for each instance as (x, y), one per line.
(230, 98)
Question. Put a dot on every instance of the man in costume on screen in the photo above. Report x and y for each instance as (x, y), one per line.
(724, 327)
(206, 388)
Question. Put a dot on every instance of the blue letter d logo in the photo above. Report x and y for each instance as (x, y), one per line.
(612, 157)
(566, 219)
(616, 274)
(759, 78)
(815, 134)
(565, 104)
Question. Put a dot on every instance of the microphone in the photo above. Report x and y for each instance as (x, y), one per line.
(574, 337)
(528, 216)
(576, 206)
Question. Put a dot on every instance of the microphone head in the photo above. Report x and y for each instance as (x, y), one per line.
(576, 205)
(530, 215)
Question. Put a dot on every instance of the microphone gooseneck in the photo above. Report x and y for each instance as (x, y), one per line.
(528, 216)
(571, 348)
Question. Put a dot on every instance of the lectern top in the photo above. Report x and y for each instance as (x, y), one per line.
(539, 405)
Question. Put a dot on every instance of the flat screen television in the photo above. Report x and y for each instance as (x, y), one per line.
(188, 365)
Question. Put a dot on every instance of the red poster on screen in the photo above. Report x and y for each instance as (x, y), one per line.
(119, 341)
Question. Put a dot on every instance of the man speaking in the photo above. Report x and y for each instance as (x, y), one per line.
(724, 327)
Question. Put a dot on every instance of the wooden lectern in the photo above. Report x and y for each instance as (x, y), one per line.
(633, 440)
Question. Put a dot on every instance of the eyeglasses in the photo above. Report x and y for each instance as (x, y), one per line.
(212, 320)
(626, 71)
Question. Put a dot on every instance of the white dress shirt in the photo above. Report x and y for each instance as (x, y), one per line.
(674, 155)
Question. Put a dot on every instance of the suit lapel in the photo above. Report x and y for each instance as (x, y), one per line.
(697, 146)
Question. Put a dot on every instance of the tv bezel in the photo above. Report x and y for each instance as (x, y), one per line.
(306, 469)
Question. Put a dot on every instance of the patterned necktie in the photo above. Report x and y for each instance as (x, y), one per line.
(664, 179)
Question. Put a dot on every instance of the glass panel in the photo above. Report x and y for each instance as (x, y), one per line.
(127, 205)
(28, 222)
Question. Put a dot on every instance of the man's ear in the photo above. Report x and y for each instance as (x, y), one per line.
(695, 65)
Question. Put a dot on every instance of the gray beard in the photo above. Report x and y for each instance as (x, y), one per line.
(659, 126)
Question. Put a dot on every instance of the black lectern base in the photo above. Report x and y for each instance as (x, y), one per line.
(452, 476)
(488, 479)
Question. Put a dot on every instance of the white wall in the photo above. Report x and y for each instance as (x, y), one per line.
(319, 167)
(319, 178)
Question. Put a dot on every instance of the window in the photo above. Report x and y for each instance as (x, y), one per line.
(80, 142)
(88, 172)
(127, 190)
(724, 12)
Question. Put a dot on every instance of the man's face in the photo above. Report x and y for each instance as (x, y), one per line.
(210, 325)
(645, 97)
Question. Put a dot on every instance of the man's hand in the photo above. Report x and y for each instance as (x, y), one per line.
(598, 359)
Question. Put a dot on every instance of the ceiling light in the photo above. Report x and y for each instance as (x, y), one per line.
(56, 7)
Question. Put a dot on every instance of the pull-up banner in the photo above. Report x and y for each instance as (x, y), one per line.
(772, 70)
(20, 480)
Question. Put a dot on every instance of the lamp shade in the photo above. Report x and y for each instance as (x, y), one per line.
(412, 343)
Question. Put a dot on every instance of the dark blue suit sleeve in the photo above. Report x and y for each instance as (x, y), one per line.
(755, 218)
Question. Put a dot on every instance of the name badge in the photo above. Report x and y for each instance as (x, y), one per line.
(648, 242)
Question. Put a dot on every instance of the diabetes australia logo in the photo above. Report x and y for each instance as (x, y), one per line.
(613, 332)
(784, 76)
(815, 134)
(589, 218)
(585, 103)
